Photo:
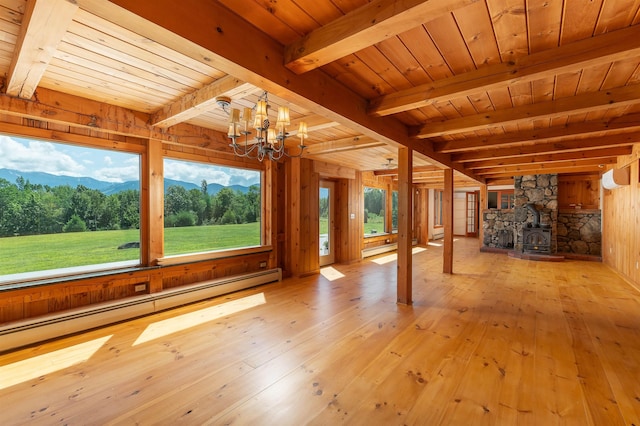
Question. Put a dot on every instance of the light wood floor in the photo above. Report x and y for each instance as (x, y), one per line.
(502, 341)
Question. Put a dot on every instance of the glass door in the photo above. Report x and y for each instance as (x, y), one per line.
(472, 214)
(327, 252)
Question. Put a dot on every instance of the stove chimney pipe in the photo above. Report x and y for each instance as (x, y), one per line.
(536, 214)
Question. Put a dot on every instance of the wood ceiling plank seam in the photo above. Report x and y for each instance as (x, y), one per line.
(544, 19)
(474, 23)
(591, 78)
(589, 162)
(197, 63)
(383, 68)
(508, 18)
(426, 53)
(521, 93)
(350, 70)
(125, 87)
(615, 15)
(122, 51)
(620, 73)
(542, 90)
(579, 20)
(119, 72)
(450, 43)
(54, 81)
(11, 21)
(403, 60)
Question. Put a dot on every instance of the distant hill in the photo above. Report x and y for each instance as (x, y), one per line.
(40, 178)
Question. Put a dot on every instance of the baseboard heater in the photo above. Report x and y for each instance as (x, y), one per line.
(385, 248)
(25, 332)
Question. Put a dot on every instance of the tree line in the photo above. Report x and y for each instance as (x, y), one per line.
(33, 209)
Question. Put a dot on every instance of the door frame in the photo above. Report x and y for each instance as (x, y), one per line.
(329, 258)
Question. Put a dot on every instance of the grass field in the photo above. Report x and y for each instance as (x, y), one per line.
(375, 223)
(43, 252)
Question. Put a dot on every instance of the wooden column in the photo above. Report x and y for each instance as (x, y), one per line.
(405, 210)
(152, 203)
(482, 205)
(447, 219)
(152, 211)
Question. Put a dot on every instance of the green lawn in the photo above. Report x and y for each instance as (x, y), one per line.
(375, 223)
(43, 252)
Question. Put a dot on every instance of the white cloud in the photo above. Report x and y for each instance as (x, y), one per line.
(37, 156)
(110, 166)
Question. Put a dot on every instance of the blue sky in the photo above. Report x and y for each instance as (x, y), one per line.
(60, 159)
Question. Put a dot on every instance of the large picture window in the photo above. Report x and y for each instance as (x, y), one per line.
(374, 211)
(209, 207)
(66, 208)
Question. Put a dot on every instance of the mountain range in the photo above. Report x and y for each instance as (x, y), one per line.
(107, 188)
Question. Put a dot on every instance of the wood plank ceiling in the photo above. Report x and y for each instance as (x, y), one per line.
(491, 88)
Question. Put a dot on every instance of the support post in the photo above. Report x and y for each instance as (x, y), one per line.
(447, 219)
(405, 209)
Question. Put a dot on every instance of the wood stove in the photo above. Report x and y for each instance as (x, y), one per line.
(536, 240)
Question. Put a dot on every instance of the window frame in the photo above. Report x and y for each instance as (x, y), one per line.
(43, 276)
(213, 254)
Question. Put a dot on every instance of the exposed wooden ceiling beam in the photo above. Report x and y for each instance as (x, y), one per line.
(418, 169)
(363, 27)
(602, 49)
(44, 23)
(521, 170)
(627, 122)
(198, 102)
(211, 32)
(549, 158)
(574, 146)
(346, 144)
(593, 162)
(583, 103)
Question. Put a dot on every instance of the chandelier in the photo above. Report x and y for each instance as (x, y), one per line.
(269, 141)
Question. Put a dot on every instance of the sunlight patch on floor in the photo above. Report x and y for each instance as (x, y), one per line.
(394, 256)
(331, 273)
(41, 365)
(182, 322)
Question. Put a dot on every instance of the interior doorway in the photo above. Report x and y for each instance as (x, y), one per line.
(472, 214)
(327, 226)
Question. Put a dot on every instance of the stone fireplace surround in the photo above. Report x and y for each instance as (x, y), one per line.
(575, 231)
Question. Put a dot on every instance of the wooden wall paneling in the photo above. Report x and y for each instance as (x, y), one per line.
(621, 223)
(447, 219)
(421, 215)
(282, 209)
(311, 218)
(303, 255)
(405, 209)
(579, 190)
(269, 212)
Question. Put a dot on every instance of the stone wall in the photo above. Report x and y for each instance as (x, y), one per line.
(496, 223)
(541, 190)
(580, 231)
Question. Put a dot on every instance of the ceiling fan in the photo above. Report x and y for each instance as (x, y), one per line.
(390, 164)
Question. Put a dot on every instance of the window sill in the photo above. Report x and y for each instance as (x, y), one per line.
(211, 255)
(58, 276)
(381, 234)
